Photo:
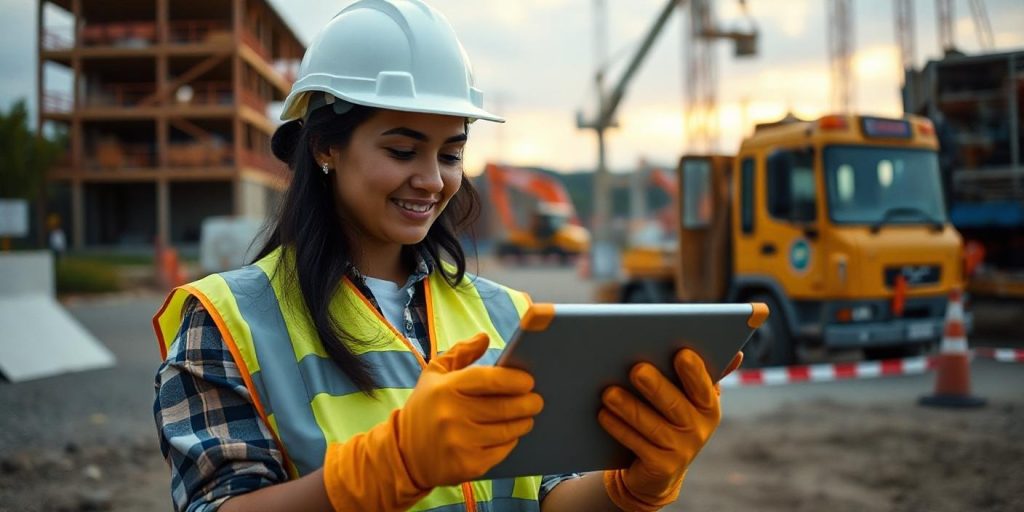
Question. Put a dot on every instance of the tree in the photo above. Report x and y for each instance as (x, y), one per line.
(24, 157)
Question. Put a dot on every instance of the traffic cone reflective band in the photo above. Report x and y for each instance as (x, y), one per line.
(953, 365)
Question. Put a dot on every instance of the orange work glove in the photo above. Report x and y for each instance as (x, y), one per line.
(458, 422)
(665, 438)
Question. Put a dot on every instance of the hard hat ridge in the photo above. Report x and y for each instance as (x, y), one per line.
(391, 54)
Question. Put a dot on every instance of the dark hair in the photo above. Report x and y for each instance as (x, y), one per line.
(307, 226)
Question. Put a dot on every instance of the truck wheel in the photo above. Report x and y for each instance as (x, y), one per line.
(509, 254)
(557, 254)
(771, 344)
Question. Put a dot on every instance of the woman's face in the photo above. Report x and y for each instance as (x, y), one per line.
(397, 174)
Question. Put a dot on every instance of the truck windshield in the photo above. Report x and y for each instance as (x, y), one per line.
(883, 185)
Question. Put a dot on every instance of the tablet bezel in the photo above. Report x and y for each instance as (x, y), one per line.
(575, 351)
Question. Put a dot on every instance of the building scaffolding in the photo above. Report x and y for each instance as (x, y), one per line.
(166, 114)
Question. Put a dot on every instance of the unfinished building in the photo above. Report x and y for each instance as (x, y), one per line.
(164, 104)
(976, 104)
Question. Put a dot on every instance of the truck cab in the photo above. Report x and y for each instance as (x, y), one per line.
(837, 224)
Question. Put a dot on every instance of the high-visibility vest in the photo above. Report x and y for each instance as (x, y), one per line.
(303, 397)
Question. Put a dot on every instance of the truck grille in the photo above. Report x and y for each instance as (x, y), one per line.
(916, 275)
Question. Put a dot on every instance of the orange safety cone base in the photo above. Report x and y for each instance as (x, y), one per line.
(952, 384)
(952, 401)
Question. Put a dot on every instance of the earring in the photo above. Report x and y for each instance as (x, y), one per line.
(325, 168)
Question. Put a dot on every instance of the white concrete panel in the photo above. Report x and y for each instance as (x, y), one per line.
(38, 338)
(26, 272)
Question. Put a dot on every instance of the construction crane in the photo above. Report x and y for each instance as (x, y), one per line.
(945, 16)
(905, 34)
(840, 53)
(982, 26)
(604, 252)
(700, 33)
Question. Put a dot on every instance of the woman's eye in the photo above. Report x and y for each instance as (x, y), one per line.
(451, 158)
(401, 155)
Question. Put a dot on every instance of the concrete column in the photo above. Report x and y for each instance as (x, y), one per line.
(163, 212)
(77, 214)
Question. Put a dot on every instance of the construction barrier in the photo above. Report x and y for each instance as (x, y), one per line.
(953, 365)
(827, 372)
(1003, 355)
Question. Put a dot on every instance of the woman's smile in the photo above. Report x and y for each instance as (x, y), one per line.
(415, 208)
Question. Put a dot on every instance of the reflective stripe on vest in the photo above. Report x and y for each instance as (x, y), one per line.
(300, 393)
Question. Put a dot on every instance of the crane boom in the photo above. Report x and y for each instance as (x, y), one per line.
(610, 104)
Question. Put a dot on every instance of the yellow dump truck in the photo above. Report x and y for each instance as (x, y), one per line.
(837, 224)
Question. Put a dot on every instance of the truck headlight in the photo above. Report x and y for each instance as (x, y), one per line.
(862, 313)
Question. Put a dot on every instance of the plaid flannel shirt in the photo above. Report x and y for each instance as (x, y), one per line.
(210, 433)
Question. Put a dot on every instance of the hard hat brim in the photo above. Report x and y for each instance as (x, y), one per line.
(422, 104)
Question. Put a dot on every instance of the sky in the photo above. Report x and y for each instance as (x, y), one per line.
(534, 60)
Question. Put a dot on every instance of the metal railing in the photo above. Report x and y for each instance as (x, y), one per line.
(198, 31)
(132, 94)
(211, 153)
(115, 155)
(123, 34)
(205, 93)
(119, 94)
(990, 184)
(56, 102)
(58, 38)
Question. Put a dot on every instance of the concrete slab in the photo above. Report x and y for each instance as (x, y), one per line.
(38, 338)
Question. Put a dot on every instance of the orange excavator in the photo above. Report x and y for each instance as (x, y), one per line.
(531, 213)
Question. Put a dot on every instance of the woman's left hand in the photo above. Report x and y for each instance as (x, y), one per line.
(665, 437)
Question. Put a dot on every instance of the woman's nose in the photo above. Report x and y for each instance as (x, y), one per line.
(428, 178)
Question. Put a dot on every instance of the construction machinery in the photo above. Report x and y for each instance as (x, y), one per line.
(532, 214)
(837, 224)
(701, 87)
(975, 102)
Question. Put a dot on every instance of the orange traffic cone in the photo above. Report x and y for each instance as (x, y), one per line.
(953, 366)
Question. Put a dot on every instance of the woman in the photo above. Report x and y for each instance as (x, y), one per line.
(328, 375)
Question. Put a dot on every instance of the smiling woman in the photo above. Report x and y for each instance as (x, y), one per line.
(351, 365)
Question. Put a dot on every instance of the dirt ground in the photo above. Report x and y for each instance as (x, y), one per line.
(804, 457)
(809, 455)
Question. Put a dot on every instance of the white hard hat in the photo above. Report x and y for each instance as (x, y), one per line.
(391, 54)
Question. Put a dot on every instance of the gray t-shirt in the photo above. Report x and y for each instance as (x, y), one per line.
(394, 303)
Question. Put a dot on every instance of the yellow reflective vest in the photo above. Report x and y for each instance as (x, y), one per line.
(303, 397)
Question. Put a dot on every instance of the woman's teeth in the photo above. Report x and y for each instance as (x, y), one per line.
(419, 208)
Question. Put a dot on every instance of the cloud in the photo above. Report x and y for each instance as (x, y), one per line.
(792, 18)
(534, 59)
(1009, 39)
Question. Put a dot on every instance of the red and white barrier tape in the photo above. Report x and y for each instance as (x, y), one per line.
(827, 372)
(853, 370)
(1004, 355)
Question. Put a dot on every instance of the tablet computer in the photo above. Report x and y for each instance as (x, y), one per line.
(575, 351)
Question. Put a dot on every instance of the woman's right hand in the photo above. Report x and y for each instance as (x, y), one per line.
(462, 420)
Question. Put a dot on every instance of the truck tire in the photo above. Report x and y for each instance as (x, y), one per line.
(772, 343)
(509, 254)
(558, 254)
